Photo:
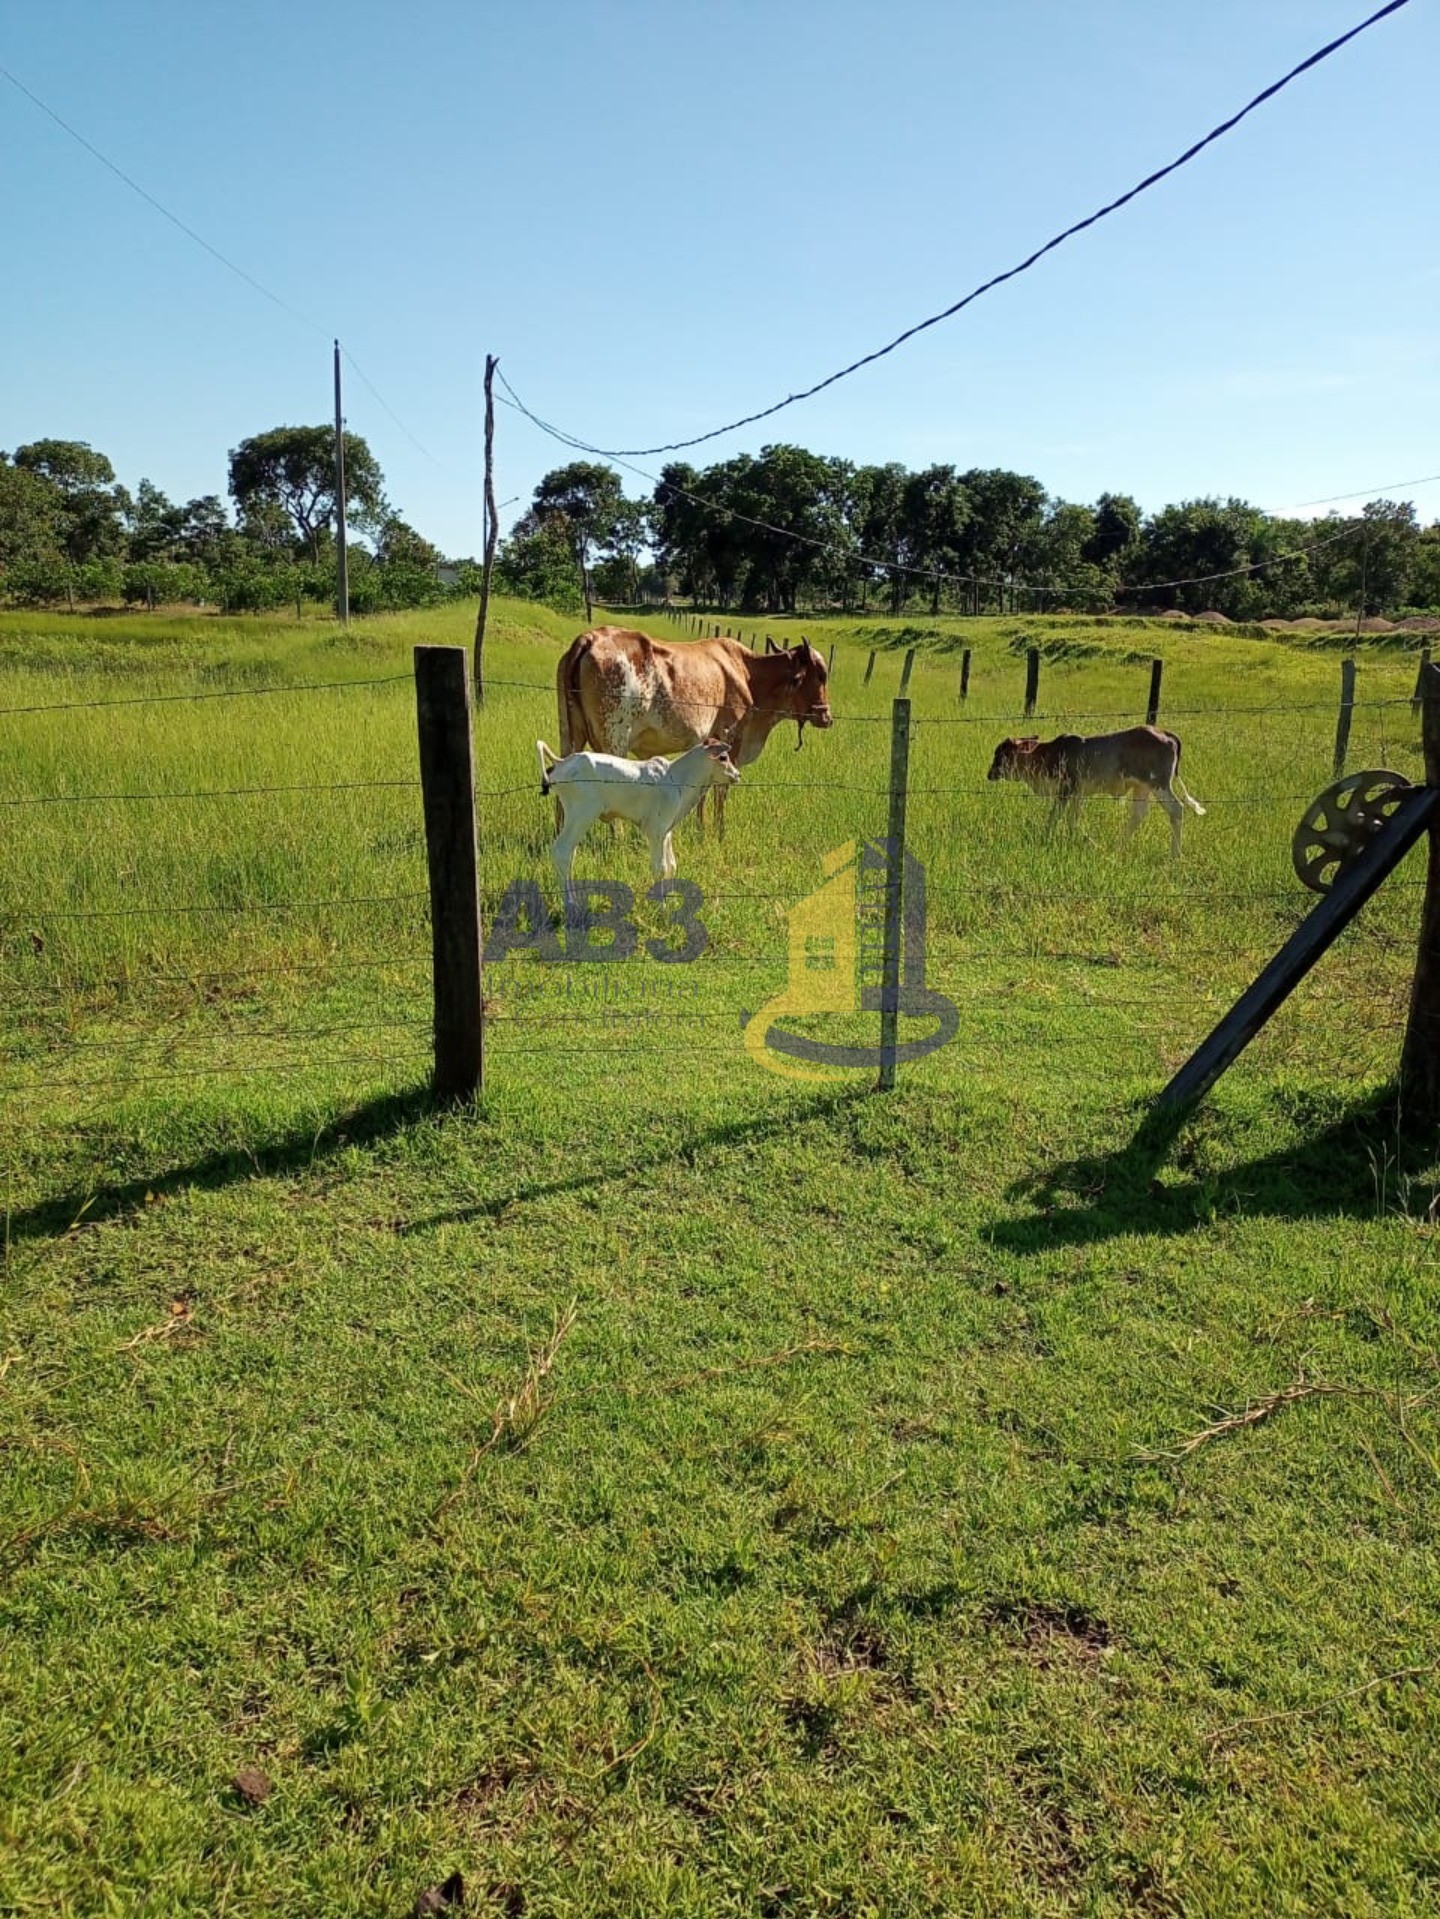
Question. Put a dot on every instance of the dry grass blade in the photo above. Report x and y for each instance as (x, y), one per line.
(515, 1419)
(162, 1329)
(1321, 1705)
(1262, 1409)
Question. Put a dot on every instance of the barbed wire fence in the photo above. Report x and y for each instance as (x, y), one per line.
(1127, 1006)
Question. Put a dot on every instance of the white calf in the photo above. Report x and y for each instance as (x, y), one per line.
(654, 795)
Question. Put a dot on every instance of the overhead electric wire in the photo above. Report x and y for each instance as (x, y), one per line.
(900, 566)
(230, 265)
(1079, 226)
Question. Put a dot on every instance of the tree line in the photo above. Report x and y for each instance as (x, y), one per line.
(70, 532)
(787, 530)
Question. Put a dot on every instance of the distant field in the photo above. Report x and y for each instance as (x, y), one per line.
(844, 1568)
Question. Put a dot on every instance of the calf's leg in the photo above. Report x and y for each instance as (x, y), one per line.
(1139, 807)
(1177, 815)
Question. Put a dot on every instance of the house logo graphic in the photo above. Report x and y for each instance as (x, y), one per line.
(835, 950)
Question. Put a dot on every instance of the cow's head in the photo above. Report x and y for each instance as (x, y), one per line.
(1013, 758)
(805, 692)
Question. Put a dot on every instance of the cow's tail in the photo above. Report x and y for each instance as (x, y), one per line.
(569, 709)
(1177, 785)
(547, 760)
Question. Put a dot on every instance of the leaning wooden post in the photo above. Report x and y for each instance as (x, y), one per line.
(905, 669)
(830, 663)
(1347, 713)
(965, 674)
(869, 667)
(1032, 679)
(447, 779)
(894, 893)
(1420, 1055)
(1152, 705)
(1418, 694)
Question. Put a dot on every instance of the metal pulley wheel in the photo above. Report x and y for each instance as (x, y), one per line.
(1341, 822)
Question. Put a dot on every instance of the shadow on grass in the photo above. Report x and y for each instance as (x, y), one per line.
(300, 1147)
(732, 1133)
(1357, 1166)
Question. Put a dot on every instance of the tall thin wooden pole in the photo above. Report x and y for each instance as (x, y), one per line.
(1152, 705)
(1420, 1055)
(1417, 696)
(894, 893)
(869, 667)
(342, 569)
(491, 526)
(447, 780)
(905, 669)
(965, 674)
(1347, 713)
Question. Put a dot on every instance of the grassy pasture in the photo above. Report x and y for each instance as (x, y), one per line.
(829, 1559)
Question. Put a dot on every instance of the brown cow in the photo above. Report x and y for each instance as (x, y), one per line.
(619, 691)
(1140, 764)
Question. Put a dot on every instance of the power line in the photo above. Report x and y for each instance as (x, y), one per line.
(1153, 179)
(162, 210)
(1371, 492)
(258, 286)
(900, 566)
(365, 380)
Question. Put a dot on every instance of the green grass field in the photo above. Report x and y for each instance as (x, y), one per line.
(672, 1488)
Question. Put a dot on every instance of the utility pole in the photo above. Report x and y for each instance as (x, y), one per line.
(492, 527)
(342, 575)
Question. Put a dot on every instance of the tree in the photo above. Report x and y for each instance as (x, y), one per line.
(587, 497)
(31, 511)
(934, 512)
(1115, 535)
(537, 562)
(154, 524)
(292, 468)
(1005, 511)
(91, 503)
(626, 539)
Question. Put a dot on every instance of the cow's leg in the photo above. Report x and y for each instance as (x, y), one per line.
(1177, 814)
(664, 867)
(700, 814)
(719, 792)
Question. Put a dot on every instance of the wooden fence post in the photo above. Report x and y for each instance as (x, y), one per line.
(830, 663)
(1347, 713)
(869, 667)
(447, 779)
(1418, 694)
(1152, 706)
(894, 893)
(1032, 679)
(1420, 1054)
(965, 674)
(905, 669)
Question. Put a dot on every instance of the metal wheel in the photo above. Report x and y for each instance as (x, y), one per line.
(1341, 822)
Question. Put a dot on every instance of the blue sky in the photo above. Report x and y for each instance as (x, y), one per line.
(661, 216)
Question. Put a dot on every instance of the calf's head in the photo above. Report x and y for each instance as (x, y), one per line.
(1014, 759)
(723, 770)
